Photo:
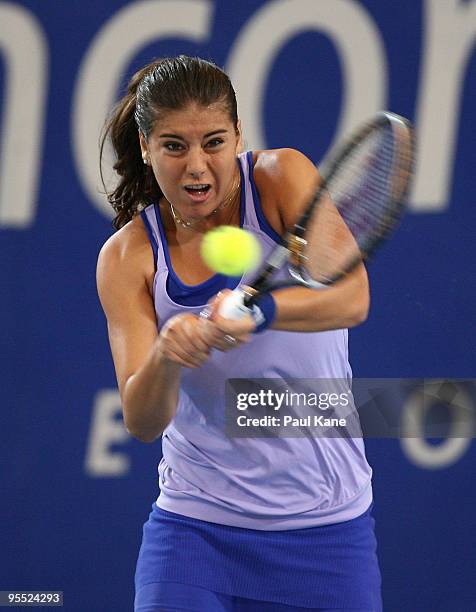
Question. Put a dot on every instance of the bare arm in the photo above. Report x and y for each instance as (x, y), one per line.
(147, 364)
(287, 179)
(343, 305)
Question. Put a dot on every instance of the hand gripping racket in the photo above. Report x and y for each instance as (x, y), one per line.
(358, 202)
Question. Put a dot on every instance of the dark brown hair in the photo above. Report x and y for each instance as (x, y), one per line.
(164, 84)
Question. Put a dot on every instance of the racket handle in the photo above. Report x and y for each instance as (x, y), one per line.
(233, 307)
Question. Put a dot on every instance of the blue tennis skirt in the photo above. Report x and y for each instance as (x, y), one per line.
(330, 566)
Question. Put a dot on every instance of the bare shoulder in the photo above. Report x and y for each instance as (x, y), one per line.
(282, 162)
(125, 258)
(285, 179)
(129, 241)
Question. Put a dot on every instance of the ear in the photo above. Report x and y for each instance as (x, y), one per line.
(239, 138)
(143, 145)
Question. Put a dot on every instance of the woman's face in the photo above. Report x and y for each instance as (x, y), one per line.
(193, 156)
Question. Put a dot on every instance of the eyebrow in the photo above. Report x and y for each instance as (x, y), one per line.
(220, 131)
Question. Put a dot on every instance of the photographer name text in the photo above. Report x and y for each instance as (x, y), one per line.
(311, 420)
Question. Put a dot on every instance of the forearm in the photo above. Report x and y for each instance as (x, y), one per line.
(150, 396)
(342, 305)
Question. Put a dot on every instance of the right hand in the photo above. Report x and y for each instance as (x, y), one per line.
(182, 342)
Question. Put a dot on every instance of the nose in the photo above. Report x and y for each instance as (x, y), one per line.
(196, 162)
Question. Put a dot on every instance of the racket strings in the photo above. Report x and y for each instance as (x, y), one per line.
(359, 206)
(361, 191)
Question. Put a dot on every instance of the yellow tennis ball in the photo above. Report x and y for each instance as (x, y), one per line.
(230, 250)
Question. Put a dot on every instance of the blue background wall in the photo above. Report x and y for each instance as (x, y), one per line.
(75, 488)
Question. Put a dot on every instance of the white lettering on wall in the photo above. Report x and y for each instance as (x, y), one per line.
(449, 36)
(25, 53)
(448, 41)
(350, 28)
(106, 429)
(414, 443)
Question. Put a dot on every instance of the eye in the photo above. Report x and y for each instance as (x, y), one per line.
(215, 142)
(173, 147)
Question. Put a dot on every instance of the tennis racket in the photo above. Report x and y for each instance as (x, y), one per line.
(359, 200)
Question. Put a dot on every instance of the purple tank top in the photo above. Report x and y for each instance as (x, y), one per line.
(259, 483)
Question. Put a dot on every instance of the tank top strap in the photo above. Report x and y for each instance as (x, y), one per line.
(246, 166)
(254, 218)
(154, 230)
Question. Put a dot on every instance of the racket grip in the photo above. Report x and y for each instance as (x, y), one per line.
(233, 306)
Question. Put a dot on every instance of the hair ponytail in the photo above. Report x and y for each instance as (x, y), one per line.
(137, 186)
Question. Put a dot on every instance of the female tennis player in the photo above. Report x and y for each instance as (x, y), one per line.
(241, 524)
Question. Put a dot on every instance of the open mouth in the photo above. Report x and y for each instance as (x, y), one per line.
(201, 189)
